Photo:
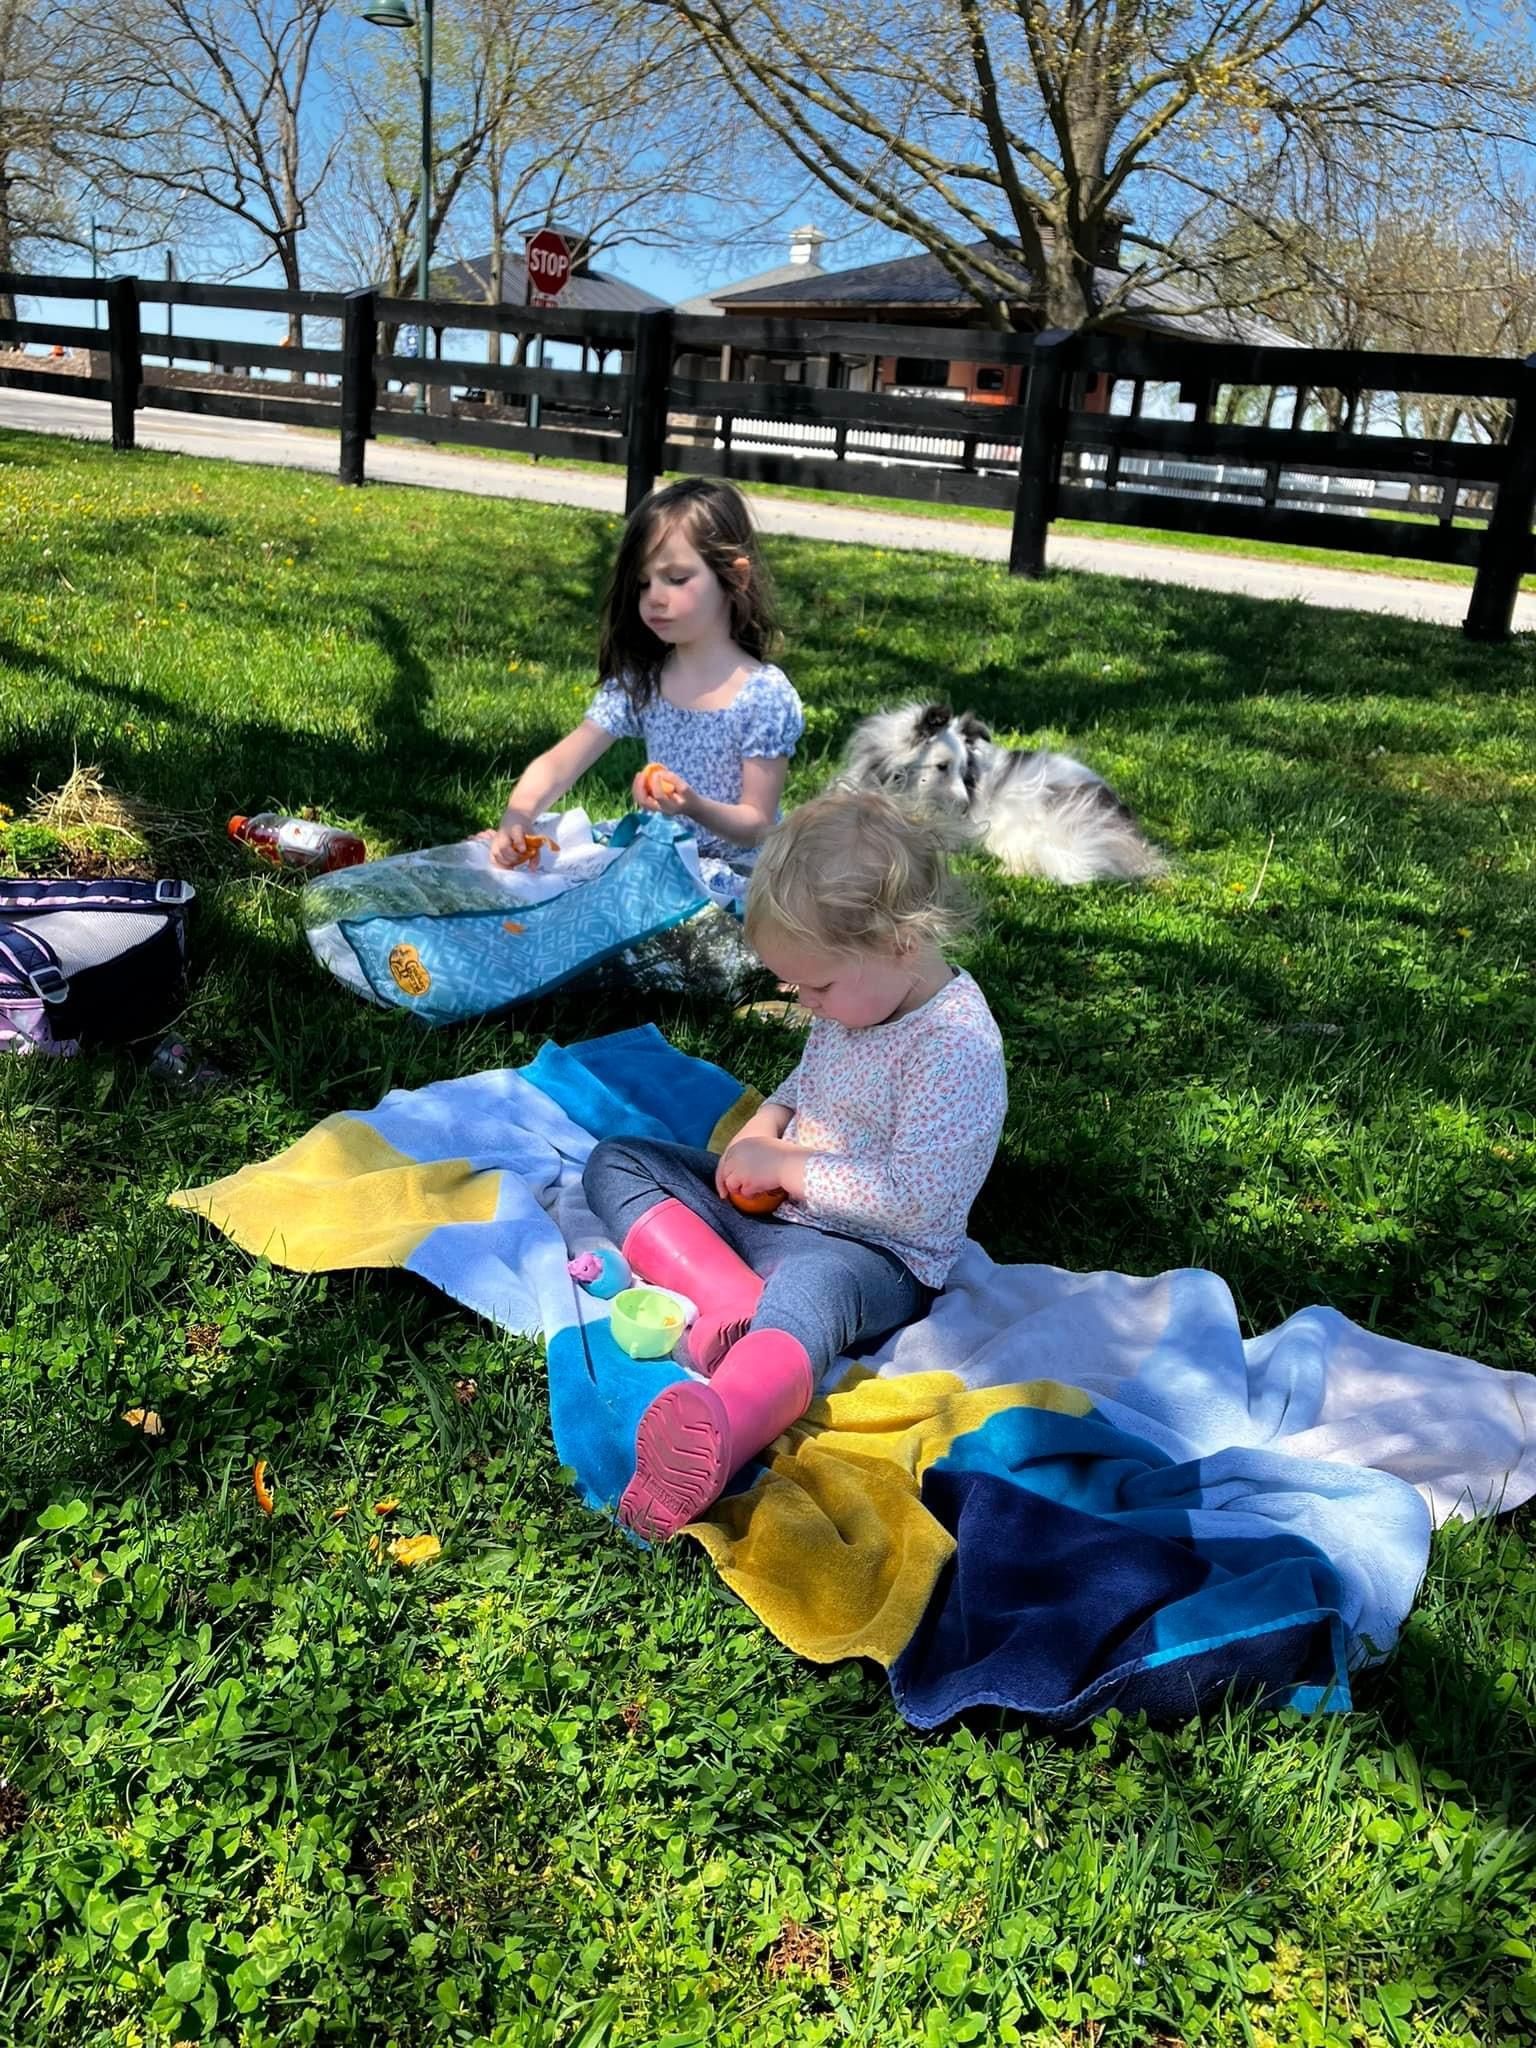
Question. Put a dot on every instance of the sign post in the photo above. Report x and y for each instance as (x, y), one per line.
(546, 273)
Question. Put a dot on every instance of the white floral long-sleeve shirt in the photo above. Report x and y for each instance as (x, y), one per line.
(903, 1119)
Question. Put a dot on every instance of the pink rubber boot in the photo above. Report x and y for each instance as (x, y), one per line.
(694, 1437)
(672, 1247)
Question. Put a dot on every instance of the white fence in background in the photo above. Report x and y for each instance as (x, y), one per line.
(864, 444)
(1213, 482)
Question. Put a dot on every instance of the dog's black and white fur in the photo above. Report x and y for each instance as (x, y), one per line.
(1037, 813)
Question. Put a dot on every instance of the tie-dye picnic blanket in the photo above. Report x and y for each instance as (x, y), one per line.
(1058, 1493)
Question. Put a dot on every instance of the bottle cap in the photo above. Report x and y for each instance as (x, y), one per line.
(237, 825)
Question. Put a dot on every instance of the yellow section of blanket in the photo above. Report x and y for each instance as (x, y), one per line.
(833, 1548)
(342, 1196)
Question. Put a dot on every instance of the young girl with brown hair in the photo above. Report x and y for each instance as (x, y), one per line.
(686, 631)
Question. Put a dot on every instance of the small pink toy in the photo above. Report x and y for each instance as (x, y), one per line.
(604, 1272)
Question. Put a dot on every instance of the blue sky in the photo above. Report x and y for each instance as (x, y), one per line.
(669, 275)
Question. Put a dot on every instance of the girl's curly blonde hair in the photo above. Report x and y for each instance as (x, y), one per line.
(850, 872)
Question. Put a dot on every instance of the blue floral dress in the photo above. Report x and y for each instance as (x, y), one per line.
(763, 720)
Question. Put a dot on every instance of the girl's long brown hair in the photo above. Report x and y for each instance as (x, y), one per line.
(713, 518)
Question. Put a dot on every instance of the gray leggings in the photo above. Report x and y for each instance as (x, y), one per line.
(831, 1292)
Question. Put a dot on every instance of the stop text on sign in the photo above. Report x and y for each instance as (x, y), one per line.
(549, 265)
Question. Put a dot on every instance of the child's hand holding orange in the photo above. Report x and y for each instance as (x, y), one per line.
(658, 788)
(747, 1176)
(533, 845)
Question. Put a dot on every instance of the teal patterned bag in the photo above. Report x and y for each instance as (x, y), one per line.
(444, 936)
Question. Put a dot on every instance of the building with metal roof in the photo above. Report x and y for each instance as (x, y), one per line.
(920, 291)
(589, 291)
(804, 263)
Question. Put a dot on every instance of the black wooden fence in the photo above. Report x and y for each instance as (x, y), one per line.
(1046, 457)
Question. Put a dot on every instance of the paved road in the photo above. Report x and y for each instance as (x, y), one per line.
(300, 448)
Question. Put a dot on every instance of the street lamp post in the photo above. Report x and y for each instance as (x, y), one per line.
(397, 14)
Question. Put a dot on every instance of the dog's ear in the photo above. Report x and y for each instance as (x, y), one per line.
(972, 728)
(931, 720)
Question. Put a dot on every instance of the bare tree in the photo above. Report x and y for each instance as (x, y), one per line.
(1400, 260)
(33, 205)
(1415, 278)
(606, 121)
(234, 81)
(61, 107)
(1011, 136)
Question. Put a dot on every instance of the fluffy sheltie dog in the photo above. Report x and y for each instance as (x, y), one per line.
(1037, 813)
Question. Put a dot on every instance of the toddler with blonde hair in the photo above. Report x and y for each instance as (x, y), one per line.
(879, 1141)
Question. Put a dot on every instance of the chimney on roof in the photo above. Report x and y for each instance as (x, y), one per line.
(1111, 232)
(805, 246)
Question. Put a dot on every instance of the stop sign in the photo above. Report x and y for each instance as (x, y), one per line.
(548, 259)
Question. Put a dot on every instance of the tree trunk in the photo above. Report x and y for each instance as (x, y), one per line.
(288, 256)
(493, 336)
(7, 241)
(1067, 288)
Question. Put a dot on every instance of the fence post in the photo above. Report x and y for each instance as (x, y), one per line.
(359, 395)
(650, 378)
(1040, 445)
(126, 357)
(1506, 551)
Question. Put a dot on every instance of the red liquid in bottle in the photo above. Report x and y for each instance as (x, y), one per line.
(298, 842)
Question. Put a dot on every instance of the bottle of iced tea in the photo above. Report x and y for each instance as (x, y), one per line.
(298, 842)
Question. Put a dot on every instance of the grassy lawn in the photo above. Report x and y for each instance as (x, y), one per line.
(551, 1790)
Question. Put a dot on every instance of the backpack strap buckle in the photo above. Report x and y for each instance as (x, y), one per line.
(33, 964)
(49, 984)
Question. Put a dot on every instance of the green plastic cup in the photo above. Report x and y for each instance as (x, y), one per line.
(646, 1321)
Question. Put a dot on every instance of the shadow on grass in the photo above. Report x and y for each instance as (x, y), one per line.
(1169, 650)
(415, 782)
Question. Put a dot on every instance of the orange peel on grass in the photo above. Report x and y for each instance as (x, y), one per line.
(405, 1550)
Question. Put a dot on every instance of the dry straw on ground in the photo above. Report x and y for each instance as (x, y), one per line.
(84, 804)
